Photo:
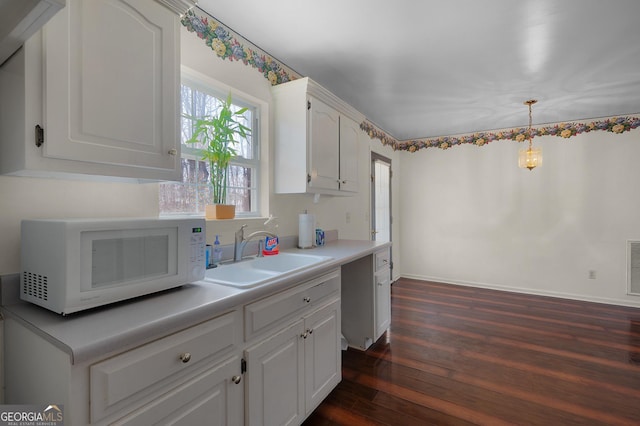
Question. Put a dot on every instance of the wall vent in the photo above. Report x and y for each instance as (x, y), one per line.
(633, 267)
(35, 285)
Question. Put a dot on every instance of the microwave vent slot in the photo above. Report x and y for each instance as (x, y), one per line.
(35, 285)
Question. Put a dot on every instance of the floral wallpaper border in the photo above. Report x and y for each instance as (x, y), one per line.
(228, 45)
(231, 46)
(564, 130)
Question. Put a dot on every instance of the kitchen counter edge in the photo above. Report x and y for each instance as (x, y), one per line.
(106, 331)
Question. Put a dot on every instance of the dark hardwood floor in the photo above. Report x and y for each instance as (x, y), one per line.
(459, 356)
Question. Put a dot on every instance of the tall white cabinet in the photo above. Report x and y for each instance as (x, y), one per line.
(316, 140)
(95, 92)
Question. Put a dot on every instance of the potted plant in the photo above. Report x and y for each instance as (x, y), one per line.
(217, 133)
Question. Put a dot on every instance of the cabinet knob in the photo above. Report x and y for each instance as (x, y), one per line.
(307, 299)
(185, 357)
(305, 334)
(173, 151)
(236, 379)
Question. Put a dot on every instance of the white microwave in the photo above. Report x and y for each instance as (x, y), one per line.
(69, 265)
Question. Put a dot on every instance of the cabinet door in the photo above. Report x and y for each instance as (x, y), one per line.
(111, 73)
(275, 379)
(348, 154)
(383, 301)
(323, 360)
(212, 398)
(324, 129)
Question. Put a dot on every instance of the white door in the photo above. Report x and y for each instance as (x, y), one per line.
(275, 379)
(323, 359)
(111, 84)
(324, 128)
(381, 198)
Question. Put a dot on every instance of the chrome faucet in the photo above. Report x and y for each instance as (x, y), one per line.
(241, 242)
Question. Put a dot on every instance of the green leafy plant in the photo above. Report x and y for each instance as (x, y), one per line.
(218, 134)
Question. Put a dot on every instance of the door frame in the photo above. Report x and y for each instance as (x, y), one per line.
(375, 157)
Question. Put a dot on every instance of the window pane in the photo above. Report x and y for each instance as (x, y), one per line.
(204, 173)
(241, 198)
(189, 171)
(176, 198)
(241, 187)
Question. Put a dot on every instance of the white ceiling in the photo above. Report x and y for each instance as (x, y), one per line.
(420, 68)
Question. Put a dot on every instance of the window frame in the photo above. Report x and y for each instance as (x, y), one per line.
(207, 86)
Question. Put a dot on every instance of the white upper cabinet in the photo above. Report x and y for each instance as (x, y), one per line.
(106, 78)
(324, 145)
(349, 136)
(316, 140)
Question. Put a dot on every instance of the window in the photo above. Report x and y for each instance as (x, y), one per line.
(195, 190)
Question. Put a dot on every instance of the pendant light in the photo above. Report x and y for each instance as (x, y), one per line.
(530, 158)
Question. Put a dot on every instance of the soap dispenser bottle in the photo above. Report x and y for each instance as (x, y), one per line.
(217, 252)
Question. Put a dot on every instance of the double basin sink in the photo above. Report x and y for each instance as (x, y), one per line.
(256, 271)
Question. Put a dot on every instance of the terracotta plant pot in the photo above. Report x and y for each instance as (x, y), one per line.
(220, 211)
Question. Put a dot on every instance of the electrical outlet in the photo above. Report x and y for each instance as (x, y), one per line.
(592, 274)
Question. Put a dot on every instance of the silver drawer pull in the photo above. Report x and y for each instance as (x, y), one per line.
(185, 357)
(236, 379)
(307, 299)
(305, 335)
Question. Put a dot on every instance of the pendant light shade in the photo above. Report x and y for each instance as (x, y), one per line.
(530, 158)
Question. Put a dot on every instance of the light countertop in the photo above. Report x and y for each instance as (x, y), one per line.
(98, 332)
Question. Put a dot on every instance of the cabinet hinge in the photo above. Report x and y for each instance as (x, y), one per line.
(243, 366)
(308, 104)
(308, 178)
(39, 135)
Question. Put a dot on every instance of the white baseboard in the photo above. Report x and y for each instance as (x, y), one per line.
(533, 291)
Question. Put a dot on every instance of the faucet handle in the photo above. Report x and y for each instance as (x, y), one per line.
(241, 230)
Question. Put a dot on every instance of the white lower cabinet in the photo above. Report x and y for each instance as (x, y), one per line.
(294, 357)
(322, 354)
(287, 362)
(292, 371)
(211, 398)
(275, 379)
(192, 375)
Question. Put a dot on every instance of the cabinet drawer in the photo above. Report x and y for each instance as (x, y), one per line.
(276, 309)
(128, 380)
(383, 259)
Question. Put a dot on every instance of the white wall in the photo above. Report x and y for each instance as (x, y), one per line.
(470, 216)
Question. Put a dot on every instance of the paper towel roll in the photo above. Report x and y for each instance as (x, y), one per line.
(306, 230)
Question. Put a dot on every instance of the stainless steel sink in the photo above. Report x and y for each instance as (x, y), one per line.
(259, 270)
